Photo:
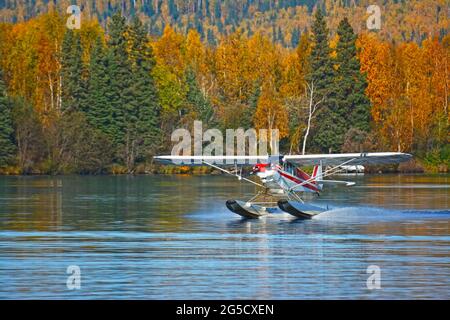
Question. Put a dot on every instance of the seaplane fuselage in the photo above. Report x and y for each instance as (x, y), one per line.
(280, 179)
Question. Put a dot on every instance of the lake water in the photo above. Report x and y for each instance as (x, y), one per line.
(171, 237)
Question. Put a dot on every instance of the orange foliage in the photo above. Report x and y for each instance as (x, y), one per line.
(408, 83)
(270, 113)
(408, 87)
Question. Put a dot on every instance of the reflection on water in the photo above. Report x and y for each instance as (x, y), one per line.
(171, 237)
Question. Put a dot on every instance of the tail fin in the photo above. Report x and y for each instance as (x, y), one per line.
(317, 174)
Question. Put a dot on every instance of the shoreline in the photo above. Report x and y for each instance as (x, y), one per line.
(214, 173)
(416, 166)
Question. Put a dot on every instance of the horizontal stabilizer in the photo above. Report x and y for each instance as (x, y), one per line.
(336, 182)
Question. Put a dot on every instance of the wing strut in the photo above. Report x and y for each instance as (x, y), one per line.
(239, 176)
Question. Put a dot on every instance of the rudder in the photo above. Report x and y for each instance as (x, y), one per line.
(317, 174)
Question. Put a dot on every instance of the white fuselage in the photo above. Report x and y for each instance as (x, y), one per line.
(280, 181)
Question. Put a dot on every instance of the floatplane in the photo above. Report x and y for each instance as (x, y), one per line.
(281, 179)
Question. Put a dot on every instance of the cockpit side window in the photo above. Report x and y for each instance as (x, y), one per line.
(289, 168)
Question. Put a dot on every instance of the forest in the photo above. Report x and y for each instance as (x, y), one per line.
(105, 98)
(280, 20)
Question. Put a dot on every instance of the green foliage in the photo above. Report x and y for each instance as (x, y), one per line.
(322, 76)
(143, 114)
(72, 83)
(75, 147)
(351, 105)
(320, 58)
(295, 37)
(197, 101)
(117, 106)
(97, 107)
(122, 99)
(400, 18)
(171, 92)
(7, 146)
(121, 81)
(211, 38)
(438, 157)
(28, 134)
(345, 106)
(250, 111)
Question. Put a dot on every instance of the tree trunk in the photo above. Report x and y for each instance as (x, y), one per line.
(305, 138)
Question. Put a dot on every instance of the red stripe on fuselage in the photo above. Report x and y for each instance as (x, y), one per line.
(315, 171)
(301, 174)
(307, 185)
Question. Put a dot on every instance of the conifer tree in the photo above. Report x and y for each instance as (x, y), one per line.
(173, 11)
(250, 111)
(210, 37)
(321, 76)
(121, 80)
(7, 146)
(295, 37)
(98, 106)
(143, 118)
(197, 100)
(73, 89)
(352, 105)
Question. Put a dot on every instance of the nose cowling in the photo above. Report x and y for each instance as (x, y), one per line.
(264, 171)
(260, 167)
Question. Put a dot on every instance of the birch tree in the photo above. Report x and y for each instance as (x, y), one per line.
(313, 103)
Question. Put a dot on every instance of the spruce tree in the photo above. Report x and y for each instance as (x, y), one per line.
(143, 119)
(280, 36)
(295, 37)
(352, 105)
(120, 75)
(249, 113)
(197, 100)
(7, 146)
(97, 106)
(211, 38)
(173, 11)
(321, 75)
(122, 100)
(73, 89)
(217, 11)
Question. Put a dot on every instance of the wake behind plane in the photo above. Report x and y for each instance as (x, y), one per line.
(281, 181)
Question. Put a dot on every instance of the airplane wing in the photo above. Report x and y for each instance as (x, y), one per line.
(215, 160)
(218, 162)
(337, 159)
